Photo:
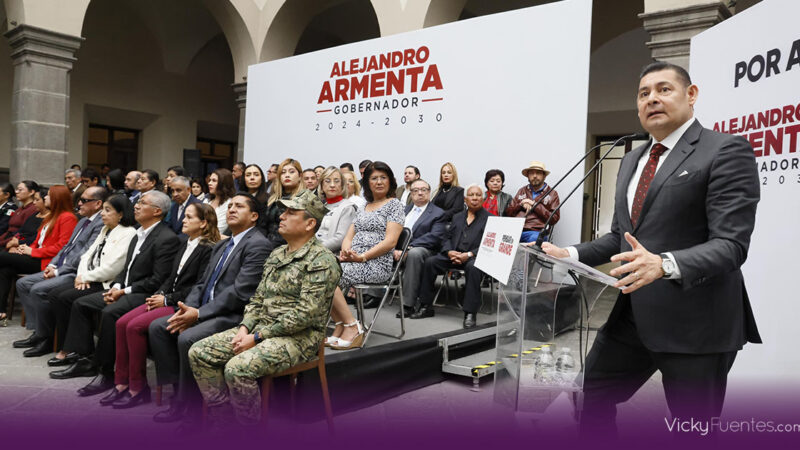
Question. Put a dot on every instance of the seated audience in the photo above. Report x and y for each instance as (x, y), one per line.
(215, 303)
(147, 265)
(181, 198)
(341, 211)
(148, 181)
(496, 200)
(428, 230)
(25, 195)
(7, 205)
(35, 290)
(220, 192)
(200, 227)
(353, 192)
(53, 233)
(410, 174)
(131, 186)
(237, 171)
(288, 184)
(449, 195)
(310, 180)
(90, 178)
(115, 182)
(72, 179)
(272, 175)
(26, 234)
(283, 323)
(98, 266)
(367, 250)
(531, 194)
(458, 252)
(199, 189)
(255, 184)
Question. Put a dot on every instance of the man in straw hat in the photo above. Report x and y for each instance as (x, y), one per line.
(537, 193)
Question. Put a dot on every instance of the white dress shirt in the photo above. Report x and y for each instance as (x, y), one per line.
(141, 236)
(414, 215)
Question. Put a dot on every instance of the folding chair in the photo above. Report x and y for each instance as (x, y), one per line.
(393, 285)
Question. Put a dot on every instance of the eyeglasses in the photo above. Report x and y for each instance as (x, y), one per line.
(378, 178)
(141, 203)
(418, 190)
(87, 200)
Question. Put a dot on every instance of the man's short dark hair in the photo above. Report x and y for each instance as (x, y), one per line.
(319, 167)
(91, 174)
(253, 204)
(347, 166)
(179, 170)
(310, 170)
(240, 164)
(416, 169)
(658, 66)
(363, 164)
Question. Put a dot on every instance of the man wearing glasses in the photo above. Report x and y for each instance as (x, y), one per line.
(428, 227)
(37, 290)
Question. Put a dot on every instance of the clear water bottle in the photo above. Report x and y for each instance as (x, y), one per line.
(565, 366)
(545, 366)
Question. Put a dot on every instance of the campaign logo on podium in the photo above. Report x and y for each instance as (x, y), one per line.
(499, 246)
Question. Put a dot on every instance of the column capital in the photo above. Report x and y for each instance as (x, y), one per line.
(240, 89)
(671, 30)
(33, 44)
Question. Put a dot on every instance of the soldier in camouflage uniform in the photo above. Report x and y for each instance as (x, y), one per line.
(284, 322)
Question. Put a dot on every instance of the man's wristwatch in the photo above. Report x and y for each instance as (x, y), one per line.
(667, 265)
(257, 337)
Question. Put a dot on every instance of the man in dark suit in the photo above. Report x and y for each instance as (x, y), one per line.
(181, 198)
(458, 252)
(689, 197)
(215, 303)
(428, 229)
(37, 290)
(148, 264)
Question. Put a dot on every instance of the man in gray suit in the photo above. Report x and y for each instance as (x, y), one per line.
(36, 290)
(428, 229)
(215, 303)
(684, 211)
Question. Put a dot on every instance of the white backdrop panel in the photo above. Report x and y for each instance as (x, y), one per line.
(514, 88)
(771, 266)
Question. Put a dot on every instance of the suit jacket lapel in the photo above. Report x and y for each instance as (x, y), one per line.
(677, 155)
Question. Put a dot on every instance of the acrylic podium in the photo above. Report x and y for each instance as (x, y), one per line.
(543, 324)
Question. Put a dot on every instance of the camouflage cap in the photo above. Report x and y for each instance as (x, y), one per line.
(308, 202)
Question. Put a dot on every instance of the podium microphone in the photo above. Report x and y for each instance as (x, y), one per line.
(545, 230)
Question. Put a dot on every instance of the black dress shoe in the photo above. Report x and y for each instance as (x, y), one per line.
(98, 385)
(83, 367)
(28, 342)
(70, 359)
(40, 349)
(423, 312)
(371, 301)
(176, 412)
(470, 320)
(128, 401)
(112, 396)
(407, 311)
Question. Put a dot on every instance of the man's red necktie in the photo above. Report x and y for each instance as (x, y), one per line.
(644, 181)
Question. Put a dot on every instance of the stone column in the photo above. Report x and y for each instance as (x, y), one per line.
(240, 89)
(671, 30)
(42, 60)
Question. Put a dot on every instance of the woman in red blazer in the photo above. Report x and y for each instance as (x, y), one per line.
(54, 233)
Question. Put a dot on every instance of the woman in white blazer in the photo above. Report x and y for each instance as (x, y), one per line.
(102, 262)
